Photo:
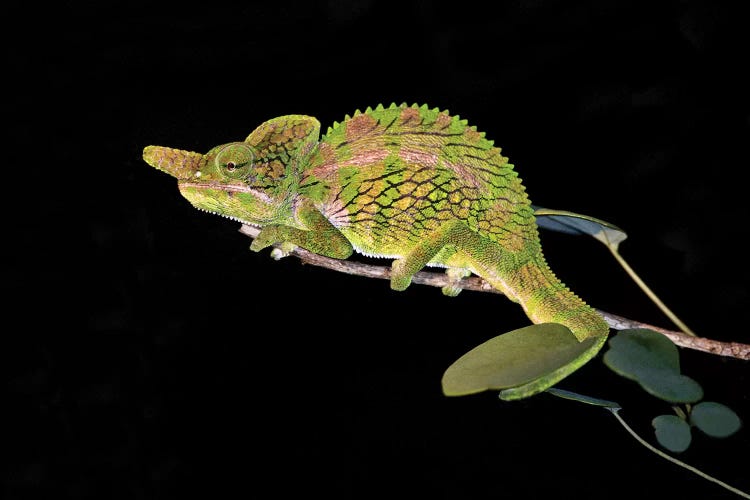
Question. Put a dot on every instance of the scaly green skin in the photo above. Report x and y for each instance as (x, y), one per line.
(405, 182)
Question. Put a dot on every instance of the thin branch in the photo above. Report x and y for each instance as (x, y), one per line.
(728, 349)
(475, 283)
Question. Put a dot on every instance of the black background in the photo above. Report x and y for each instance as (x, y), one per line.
(154, 356)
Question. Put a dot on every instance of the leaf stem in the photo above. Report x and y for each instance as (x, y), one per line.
(679, 412)
(651, 295)
(672, 459)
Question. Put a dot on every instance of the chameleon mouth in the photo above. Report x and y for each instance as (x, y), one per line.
(227, 188)
(230, 217)
(225, 200)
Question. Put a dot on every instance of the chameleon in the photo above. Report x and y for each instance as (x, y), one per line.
(410, 183)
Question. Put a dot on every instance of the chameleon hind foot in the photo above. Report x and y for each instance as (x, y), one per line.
(453, 235)
(400, 278)
(455, 275)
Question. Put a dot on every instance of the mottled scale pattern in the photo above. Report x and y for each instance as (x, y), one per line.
(389, 176)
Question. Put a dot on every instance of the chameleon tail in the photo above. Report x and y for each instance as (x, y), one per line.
(547, 300)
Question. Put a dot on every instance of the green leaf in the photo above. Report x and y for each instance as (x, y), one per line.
(672, 432)
(562, 393)
(513, 359)
(652, 360)
(715, 419)
(563, 221)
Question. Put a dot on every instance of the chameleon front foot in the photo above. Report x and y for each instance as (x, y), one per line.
(284, 250)
(267, 237)
(270, 236)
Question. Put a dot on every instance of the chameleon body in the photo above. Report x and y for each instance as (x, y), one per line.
(408, 183)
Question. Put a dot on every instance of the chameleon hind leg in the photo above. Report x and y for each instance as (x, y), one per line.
(552, 362)
(446, 240)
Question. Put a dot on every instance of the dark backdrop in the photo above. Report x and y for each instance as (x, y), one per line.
(154, 356)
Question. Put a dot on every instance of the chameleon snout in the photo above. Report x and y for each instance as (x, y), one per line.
(175, 162)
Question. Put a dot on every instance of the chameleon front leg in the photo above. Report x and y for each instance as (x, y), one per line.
(321, 237)
(453, 234)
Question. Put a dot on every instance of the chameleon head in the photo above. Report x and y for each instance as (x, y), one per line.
(228, 180)
(252, 181)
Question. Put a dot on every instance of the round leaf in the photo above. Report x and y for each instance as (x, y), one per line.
(513, 359)
(652, 360)
(671, 387)
(715, 419)
(636, 348)
(672, 432)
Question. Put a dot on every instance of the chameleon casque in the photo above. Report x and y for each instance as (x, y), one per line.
(407, 183)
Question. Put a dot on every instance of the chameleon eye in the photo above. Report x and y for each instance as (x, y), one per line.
(235, 160)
